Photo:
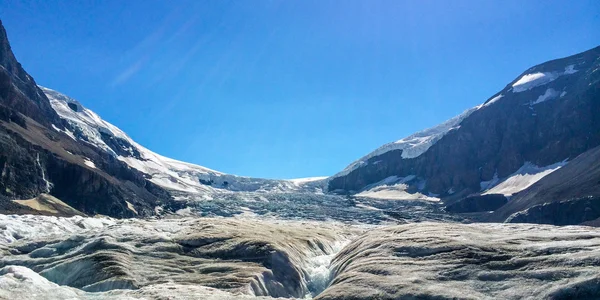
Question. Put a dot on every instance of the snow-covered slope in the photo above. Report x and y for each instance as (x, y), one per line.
(88, 127)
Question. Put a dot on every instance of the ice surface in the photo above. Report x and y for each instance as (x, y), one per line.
(475, 261)
(108, 257)
(219, 258)
(38, 227)
(17, 282)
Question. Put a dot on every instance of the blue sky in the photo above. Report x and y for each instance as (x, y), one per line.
(285, 89)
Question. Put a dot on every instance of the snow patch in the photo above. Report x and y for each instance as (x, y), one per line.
(548, 95)
(300, 181)
(131, 207)
(185, 211)
(367, 207)
(393, 188)
(570, 69)
(529, 81)
(493, 100)
(67, 132)
(523, 178)
(89, 163)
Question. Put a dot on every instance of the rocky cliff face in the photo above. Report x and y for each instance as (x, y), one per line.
(547, 115)
(37, 156)
(19, 91)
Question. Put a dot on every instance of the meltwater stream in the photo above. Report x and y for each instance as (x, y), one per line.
(318, 270)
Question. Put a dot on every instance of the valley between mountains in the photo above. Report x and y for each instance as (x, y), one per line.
(500, 202)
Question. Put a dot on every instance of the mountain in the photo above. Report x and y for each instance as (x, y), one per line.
(51, 144)
(38, 157)
(18, 90)
(58, 157)
(571, 195)
(538, 124)
(183, 179)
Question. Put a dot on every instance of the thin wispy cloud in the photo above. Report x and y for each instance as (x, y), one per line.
(143, 51)
(128, 72)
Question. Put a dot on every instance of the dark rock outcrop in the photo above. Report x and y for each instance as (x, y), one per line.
(18, 90)
(477, 204)
(570, 212)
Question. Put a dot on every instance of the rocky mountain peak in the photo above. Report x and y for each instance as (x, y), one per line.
(18, 90)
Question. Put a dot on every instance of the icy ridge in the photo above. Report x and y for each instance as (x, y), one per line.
(413, 145)
(166, 172)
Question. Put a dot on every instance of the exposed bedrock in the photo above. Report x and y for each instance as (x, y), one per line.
(477, 261)
(575, 211)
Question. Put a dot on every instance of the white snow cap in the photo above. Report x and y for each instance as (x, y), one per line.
(529, 81)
